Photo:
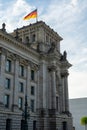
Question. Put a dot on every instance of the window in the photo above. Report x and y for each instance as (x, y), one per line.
(34, 125)
(32, 105)
(27, 40)
(21, 87)
(57, 103)
(21, 69)
(47, 39)
(7, 101)
(8, 83)
(20, 102)
(32, 90)
(8, 65)
(8, 124)
(64, 125)
(32, 75)
(33, 38)
(22, 124)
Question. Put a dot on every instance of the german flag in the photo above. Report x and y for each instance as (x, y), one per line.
(33, 14)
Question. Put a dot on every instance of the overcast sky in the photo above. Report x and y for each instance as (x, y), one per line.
(69, 19)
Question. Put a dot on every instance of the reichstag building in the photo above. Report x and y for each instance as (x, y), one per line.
(33, 79)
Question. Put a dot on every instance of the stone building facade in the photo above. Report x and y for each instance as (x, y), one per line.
(31, 64)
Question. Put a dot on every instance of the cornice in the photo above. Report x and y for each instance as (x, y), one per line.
(10, 39)
(65, 64)
(39, 24)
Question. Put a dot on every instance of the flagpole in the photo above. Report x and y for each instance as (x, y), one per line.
(37, 16)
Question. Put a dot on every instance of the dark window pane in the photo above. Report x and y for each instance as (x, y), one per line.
(64, 125)
(22, 124)
(57, 103)
(21, 87)
(32, 74)
(32, 90)
(33, 38)
(8, 124)
(8, 83)
(21, 70)
(32, 105)
(34, 125)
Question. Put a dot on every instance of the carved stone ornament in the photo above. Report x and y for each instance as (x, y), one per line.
(33, 66)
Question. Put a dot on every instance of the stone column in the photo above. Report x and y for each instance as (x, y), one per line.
(28, 88)
(42, 85)
(53, 87)
(66, 92)
(15, 86)
(2, 77)
(49, 90)
(63, 93)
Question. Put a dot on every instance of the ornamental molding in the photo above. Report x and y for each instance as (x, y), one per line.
(33, 66)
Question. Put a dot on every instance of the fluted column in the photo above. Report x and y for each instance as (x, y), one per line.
(65, 91)
(53, 87)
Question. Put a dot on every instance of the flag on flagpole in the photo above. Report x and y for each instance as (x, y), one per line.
(33, 14)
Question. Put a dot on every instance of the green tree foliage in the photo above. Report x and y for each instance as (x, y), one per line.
(84, 122)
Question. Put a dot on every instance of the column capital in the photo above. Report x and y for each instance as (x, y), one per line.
(34, 66)
(64, 74)
(52, 68)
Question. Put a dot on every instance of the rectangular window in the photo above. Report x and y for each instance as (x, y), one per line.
(64, 125)
(22, 124)
(57, 103)
(32, 105)
(33, 38)
(32, 90)
(8, 65)
(21, 87)
(34, 125)
(8, 83)
(8, 124)
(20, 102)
(6, 101)
(21, 69)
(32, 75)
